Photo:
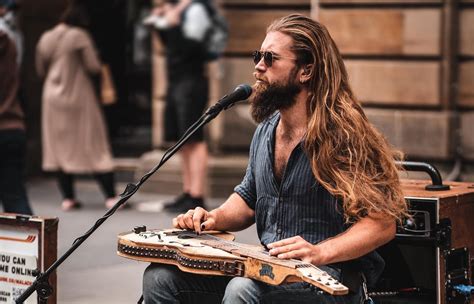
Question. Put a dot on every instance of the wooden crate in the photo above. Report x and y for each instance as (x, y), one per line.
(457, 205)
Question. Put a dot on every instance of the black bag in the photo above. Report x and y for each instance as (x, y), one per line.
(216, 37)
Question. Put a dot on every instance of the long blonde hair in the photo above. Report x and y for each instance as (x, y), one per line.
(348, 156)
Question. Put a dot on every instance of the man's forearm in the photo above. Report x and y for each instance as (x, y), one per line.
(362, 238)
(233, 215)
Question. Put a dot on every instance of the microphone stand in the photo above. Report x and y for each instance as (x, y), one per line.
(41, 284)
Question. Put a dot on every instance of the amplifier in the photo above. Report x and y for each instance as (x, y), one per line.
(423, 221)
(430, 253)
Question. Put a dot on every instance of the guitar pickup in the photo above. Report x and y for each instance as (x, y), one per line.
(232, 268)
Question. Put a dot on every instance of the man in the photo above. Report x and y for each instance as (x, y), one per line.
(321, 183)
(13, 195)
(182, 26)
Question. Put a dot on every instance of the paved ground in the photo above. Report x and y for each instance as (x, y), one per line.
(94, 273)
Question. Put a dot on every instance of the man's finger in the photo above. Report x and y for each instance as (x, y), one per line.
(282, 242)
(208, 224)
(198, 217)
(293, 254)
(188, 219)
(175, 223)
(179, 221)
(282, 249)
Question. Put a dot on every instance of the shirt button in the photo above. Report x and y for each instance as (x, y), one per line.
(279, 231)
(280, 199)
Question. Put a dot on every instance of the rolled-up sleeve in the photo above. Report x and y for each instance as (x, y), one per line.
(247, 188)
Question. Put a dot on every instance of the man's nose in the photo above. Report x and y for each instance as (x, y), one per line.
(261, 66)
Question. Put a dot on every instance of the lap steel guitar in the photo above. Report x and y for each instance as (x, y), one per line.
(215, 253)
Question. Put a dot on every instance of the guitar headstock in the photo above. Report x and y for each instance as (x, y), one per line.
(322, 280)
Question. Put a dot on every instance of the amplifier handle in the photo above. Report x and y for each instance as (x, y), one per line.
(436, 180)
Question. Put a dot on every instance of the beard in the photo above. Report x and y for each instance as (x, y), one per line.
(269, 98)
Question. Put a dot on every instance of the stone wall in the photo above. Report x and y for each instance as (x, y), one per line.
(410, 62)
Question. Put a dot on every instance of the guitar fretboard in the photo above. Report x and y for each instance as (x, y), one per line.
(244, 250)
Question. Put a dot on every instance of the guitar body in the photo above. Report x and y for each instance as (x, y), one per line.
(215, 253)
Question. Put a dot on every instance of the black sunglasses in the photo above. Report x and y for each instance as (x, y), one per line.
(268, 57)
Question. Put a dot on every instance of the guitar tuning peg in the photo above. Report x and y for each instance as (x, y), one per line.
(139, 229)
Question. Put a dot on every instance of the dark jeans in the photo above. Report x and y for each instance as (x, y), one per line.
(167, 284)
(12, 157)
(105, 180)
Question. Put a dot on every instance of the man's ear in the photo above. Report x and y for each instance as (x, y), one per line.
(306, 74)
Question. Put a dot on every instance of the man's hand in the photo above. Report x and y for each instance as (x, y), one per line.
(233, 215)
(195, 219)
(172, 13)
(159, 10)
(361, 238)
(295, 248)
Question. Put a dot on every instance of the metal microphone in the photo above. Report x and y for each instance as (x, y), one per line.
(241, 92)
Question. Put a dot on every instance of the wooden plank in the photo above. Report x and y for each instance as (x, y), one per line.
(384, 31)
(380, 1)
(395, 82)
(466, 79)
(466, 46)
(267, 2)
(459, 191)
(247, 28)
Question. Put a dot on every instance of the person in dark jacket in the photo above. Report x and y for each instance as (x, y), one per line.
(182, 26)
(13, 194)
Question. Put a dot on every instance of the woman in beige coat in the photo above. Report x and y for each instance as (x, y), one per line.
(74, 135)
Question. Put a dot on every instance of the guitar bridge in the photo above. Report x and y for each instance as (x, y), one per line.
(232, 268)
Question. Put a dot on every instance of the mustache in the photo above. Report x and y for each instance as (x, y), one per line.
(260, 77)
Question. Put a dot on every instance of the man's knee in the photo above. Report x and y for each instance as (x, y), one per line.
(242, 290)
(159, 277)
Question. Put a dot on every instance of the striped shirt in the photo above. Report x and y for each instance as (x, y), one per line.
(298, 205)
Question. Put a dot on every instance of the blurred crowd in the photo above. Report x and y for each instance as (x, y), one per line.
(74, 133)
